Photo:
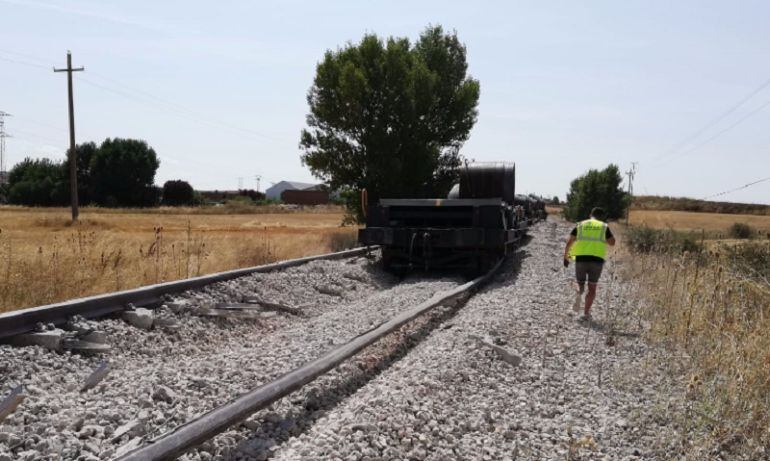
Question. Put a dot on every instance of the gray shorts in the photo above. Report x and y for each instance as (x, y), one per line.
(588, 269)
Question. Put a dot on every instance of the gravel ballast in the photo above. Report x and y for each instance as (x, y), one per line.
(509, 375)
(161, 378)
(513, 375)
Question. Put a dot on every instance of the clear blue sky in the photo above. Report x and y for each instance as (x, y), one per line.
(218, 88)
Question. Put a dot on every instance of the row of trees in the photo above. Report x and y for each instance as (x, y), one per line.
(119, 172)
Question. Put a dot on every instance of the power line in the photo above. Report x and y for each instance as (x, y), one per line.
(35, 135)
(745, 186)
(23, 63)
(188, 115)
(715, 121)
(183, 108)
(718, 134)
(40, 61)
(144, 97)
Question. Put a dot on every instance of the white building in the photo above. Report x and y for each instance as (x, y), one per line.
(274, 192)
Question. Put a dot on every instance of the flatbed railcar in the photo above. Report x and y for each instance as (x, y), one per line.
(477, 224)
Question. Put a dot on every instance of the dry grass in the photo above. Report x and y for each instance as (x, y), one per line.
(711, 307)
(44, 259)
(686, 220)
(688, 204)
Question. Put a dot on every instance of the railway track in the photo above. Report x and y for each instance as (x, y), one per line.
(134, 379)
(191, 434)
(24, 321)
(506, 374)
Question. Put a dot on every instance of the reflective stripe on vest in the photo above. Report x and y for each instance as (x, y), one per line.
(591, 239)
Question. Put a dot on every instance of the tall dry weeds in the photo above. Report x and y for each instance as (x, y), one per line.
(707, 305)
(64, 262)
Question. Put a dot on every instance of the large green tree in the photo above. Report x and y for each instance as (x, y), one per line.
(597, 188)
(38, 182)
(390, 116)
(123, 172)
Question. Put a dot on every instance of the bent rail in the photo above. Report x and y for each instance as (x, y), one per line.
(208, 425)
(25, 320)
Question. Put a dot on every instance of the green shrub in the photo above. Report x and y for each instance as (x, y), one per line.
(596, 189)
(178, 193)
(740, 230)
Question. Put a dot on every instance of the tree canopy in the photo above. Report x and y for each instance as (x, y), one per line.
(120, 172)
(597, 189)
(177, 192)
(390, 116)
(38, 182)
(123, 173)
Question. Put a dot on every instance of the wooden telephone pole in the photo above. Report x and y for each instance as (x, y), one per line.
(72, 155)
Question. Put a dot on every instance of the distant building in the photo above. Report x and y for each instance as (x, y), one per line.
(309, 196)
(275, 191)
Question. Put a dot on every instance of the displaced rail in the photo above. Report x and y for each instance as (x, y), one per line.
(22, 321)
(208, 425)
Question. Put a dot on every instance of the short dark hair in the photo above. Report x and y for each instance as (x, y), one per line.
(598, 213)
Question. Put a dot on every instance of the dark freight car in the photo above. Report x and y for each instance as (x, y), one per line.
(470, 230)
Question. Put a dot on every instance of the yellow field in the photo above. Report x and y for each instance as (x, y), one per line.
(687, 220)
(44, 259)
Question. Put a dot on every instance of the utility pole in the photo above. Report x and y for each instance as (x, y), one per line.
(72, 155)
(631, 173)
(257, 178)
(3, 135)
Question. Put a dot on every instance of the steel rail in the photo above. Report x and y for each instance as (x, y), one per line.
(179, 440)
(25, 320)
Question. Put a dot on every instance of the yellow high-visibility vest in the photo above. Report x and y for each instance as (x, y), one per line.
(591, 239)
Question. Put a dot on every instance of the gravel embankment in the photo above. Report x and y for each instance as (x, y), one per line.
(578, 393)
(435, 390)
(160, 378)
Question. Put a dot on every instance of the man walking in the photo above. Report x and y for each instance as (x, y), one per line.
(588, 244)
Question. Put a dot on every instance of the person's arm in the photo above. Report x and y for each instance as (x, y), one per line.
(610, 237)
(570, 241)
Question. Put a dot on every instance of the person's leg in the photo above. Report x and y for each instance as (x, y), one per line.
(580, 283)
(590, 296)
(581, 273)
(594, 273)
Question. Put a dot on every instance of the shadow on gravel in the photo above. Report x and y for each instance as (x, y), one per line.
(271, 429)
(510, 269)
(605, 327)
